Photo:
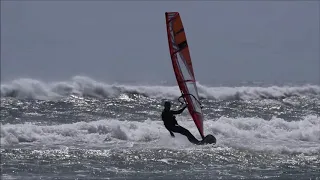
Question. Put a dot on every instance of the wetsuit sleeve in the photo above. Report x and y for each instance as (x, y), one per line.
(179, 111)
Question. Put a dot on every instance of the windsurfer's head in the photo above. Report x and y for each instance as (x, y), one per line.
(167, 105)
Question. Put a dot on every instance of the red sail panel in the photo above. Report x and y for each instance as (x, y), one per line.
(182, 66)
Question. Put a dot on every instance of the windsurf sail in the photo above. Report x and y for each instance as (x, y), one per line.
(182, 66)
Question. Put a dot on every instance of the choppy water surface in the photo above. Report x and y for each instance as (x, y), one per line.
(88, 130)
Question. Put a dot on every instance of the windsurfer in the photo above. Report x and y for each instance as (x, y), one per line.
(172, 125)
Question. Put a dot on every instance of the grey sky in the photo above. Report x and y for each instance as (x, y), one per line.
(127, 41)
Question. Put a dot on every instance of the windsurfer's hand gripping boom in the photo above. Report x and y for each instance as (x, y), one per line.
(184, 99)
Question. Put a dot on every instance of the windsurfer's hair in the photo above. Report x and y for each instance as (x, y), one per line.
(167, 104)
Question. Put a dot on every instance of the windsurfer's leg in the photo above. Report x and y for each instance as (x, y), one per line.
(185, 132)
(169, 129)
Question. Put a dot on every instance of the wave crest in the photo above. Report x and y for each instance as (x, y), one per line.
(87, 87)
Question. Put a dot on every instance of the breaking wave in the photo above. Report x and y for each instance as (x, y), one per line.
(87, 87)
(257, 134)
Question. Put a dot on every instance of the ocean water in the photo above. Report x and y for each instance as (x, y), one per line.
(85, 129)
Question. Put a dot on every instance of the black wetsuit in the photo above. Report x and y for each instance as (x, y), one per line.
(171, 124)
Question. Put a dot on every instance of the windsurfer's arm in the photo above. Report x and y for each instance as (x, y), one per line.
(179, 111)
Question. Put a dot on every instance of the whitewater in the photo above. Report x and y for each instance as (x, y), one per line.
(87, 129)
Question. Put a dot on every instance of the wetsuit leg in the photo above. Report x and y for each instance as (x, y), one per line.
(181, 130)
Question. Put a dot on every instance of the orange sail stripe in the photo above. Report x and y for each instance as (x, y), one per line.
(182, 65)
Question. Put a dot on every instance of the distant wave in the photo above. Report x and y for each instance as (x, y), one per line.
(87, 87)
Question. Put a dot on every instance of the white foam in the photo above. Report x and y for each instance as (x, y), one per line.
(247, 133)
(273, 135)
